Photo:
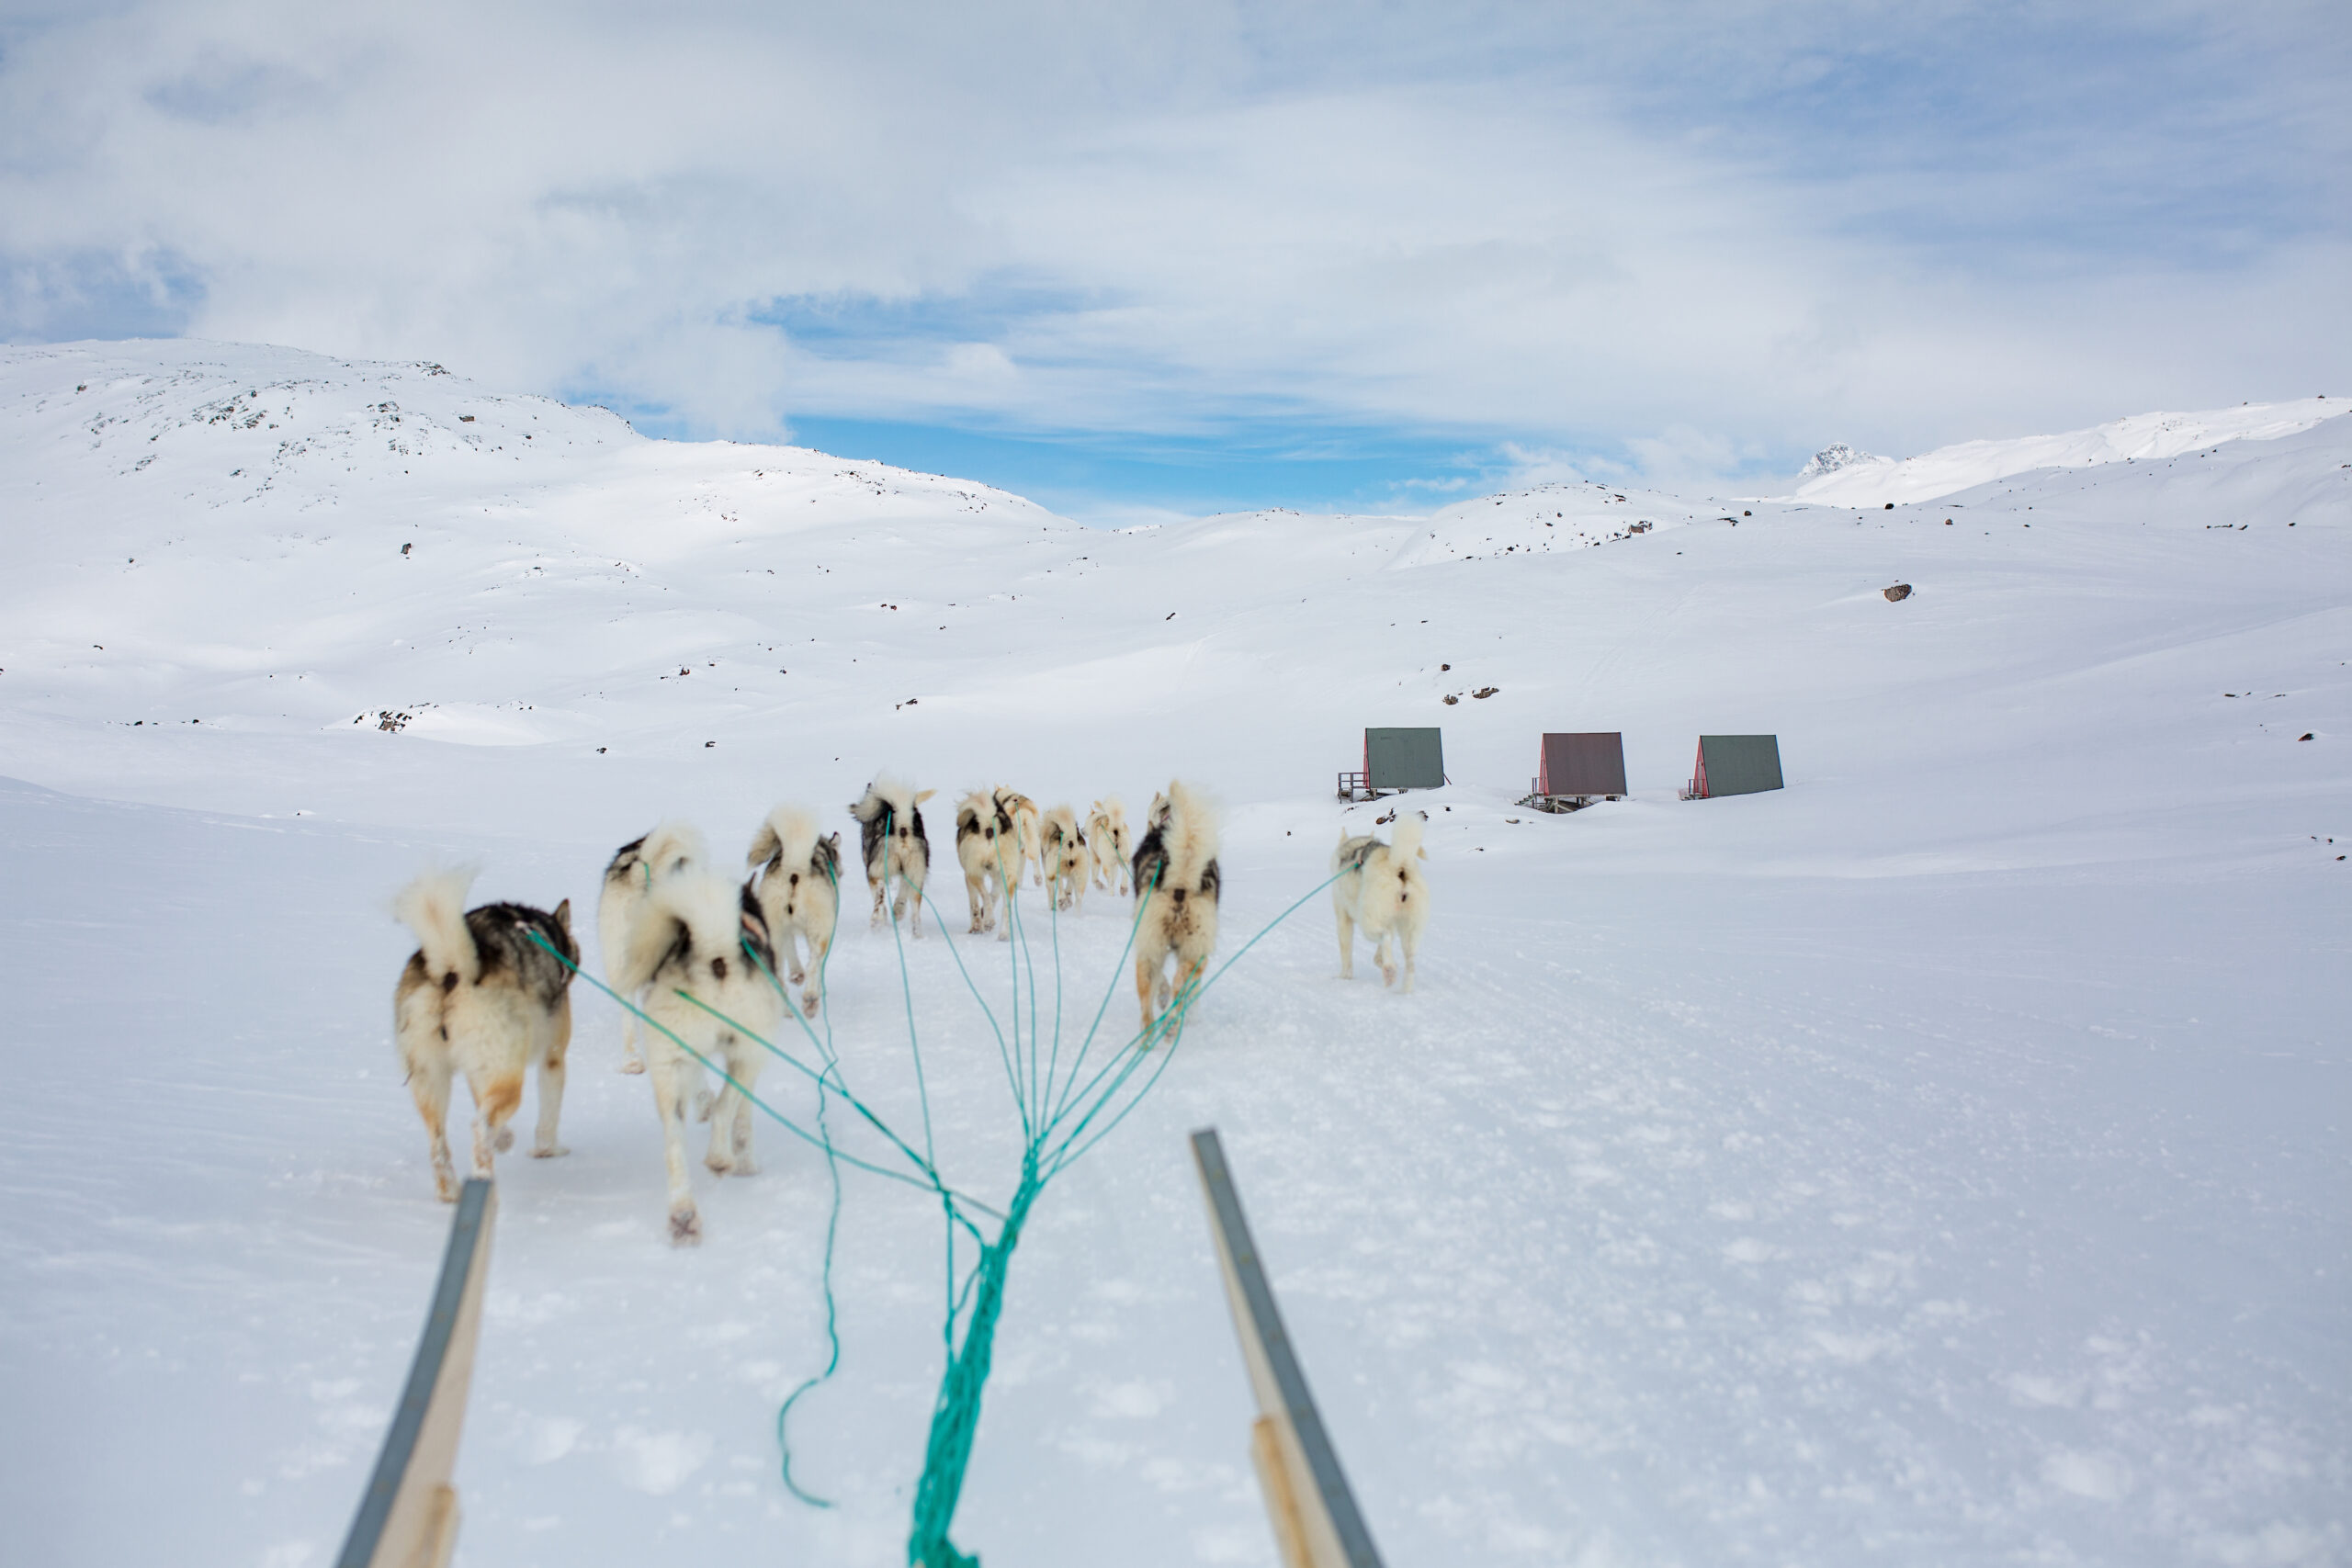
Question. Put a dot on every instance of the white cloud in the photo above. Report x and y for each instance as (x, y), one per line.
(1590, 234)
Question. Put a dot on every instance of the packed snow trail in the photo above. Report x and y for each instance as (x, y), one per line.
(1940, 1160)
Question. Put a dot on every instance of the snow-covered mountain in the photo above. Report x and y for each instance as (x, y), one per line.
(1835, 458)
(1839, 476)
(1939, 1159)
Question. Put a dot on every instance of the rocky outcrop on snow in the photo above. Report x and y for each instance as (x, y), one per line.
(1835, 458)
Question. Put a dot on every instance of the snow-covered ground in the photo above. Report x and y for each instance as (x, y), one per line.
(1940, 1160)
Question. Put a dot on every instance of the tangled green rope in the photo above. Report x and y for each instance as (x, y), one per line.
(1059, 1109)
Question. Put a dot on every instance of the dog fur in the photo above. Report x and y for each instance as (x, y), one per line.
(635, 867)
(1380, 892)
(688, 935)
(479, 996)
(889, 817)
(1027, 824)
(1067, 858)
(1106, 831)
(990, 854)
(799, 890)
(1177, 881)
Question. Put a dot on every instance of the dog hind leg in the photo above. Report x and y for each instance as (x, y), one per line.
(428, 1083)
(813, 997)
(1188, 978)
(1146, 984)
(551, 1074)
(720, 1156)
(495, 1101)
(670, 1102)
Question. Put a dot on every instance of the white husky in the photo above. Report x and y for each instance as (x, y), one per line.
(799, 883)
(480, 997)
(1381, 892)
(990, 858)
(1026, 822)
(1106, 831)
(690, 935)
(635, 867)
(1067, 858)
(893, 846)
(1177, 881)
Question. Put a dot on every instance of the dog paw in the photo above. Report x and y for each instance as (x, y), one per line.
(633, 1065)
(720, 1163)
(745, 1165)
(685, 1228)
(809, 1004)
(550, 1151)
(504, 1141)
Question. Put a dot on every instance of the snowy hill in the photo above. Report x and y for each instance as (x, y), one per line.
(1835, 458)
(1843, 477)
(1940, 1160)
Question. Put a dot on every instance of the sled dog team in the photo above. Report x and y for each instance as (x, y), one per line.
(487, 991)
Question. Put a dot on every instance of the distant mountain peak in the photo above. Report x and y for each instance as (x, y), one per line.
(1829, 459)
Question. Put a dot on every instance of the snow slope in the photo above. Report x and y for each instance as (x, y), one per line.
(1942, 1159)
(1863, 481)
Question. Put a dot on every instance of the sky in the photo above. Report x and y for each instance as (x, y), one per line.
(1149, 260)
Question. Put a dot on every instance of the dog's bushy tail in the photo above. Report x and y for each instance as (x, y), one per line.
(1407, 842)
(886, 793)
(787, 838)
(699, 906)
(1190, 838)
(433, 907)
(673, 847)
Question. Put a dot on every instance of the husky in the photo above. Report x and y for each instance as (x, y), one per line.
(479, 996)
(1381, 891)
(1106, 830)
(1067, 858)
(991, 856)
(699, 934)
(635, 867)
(890, 834)
(1176, 882)
(1026, 822)
(799, 879)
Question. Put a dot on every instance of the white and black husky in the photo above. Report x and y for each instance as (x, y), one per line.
(480, 997)
(1380, 892)
(989, 854)
(800, 881)
(1106, 831)
(635, 867)
(890, 818)
(1177, 881)
(1066, 859)
(1027, 820)
(687, 951)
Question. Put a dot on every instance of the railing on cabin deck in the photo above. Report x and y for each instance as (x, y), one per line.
(1357, 787)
